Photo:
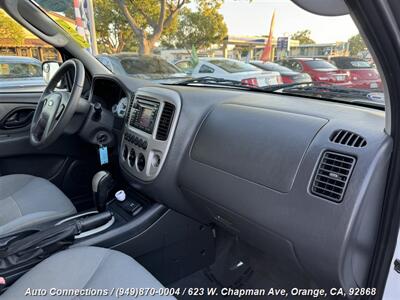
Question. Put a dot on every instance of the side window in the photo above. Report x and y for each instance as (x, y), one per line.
(206, 69)
(21, 58)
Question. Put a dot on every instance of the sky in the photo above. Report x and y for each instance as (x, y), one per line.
(253, 18)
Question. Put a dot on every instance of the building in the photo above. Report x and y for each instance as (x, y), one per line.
(320, 50)
(32, 46)
(236, 46)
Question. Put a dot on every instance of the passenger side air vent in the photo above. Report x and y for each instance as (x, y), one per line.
(130, 105)
(165, 123)
(348, 138)
(332, 175)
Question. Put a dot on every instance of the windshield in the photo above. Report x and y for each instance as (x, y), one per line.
(221, 40)
(352, 64)
(273, 67)
(232, 66)
(143, 65)
(320, 64)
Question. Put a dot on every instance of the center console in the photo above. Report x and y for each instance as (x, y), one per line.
(149, 127)
(114, 220)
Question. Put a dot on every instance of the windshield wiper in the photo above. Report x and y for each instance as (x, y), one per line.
(312, 88)
(209, 80)
(277, 87)
(328, 90)
(336, 93)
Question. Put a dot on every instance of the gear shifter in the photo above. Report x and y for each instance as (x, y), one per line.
(102, 184)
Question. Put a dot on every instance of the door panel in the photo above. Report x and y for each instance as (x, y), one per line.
(69, 155)
(16, 103)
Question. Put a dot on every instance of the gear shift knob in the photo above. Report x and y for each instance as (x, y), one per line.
(102, 184)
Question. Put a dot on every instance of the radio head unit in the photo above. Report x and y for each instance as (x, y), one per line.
(144, 115)
(148, 132)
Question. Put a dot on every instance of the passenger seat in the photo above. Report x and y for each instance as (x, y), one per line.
(88, 270)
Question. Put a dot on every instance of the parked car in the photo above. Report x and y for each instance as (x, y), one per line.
(319, 69)
(362, 74)
(21, 73)
(287, 75)
(153, 68)
(230, 69)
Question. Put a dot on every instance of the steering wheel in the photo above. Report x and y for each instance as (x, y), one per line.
(55, 109)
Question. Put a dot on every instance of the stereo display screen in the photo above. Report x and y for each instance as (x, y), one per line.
(145, 118)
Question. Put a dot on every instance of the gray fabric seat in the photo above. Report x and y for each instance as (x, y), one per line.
(85, 269)
(27, 200)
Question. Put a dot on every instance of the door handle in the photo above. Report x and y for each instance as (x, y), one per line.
(18, 118)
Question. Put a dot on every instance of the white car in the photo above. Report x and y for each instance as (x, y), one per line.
(230, 69)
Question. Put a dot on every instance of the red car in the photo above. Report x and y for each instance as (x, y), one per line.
(362, 74)
(320, 70)
(287, 75)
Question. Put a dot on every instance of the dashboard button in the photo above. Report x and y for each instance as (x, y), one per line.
(132, 157)
(125, 153)
(141, 162)
(140, 143)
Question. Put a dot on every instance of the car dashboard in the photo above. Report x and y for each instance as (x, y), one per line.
(300, 179)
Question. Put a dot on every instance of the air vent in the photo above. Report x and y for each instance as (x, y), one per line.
(128, 112)
(348, 138)
(332, 175)
(165, 123)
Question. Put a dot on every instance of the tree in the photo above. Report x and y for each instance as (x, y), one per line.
(303, 36)
(356, 44)
(200, 28)
(149, 20)
(9, 29)
(70, 29)
(113, 32)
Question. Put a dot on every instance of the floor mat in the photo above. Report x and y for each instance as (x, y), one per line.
(201, 286)
(237, 269)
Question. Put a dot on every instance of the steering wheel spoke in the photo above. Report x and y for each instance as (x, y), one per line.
(63, 105)
(39, 128)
